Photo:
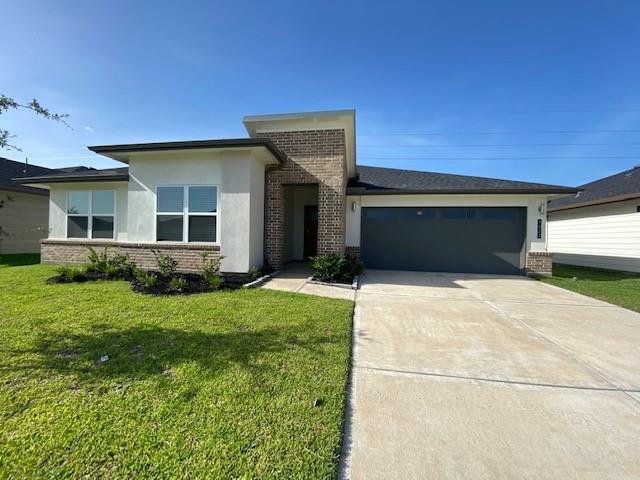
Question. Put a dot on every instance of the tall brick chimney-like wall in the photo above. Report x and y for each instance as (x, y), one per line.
(315, 157)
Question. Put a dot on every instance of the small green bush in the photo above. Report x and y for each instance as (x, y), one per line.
(69, 273)
(177, 284)
(336, 268)
(216, 282)
(146, 279)
(210, 270)
(117, 266)
(97, 261)
(253, 273)
(167, 265)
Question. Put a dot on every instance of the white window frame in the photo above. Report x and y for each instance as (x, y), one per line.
(90, 215)
(186, 213)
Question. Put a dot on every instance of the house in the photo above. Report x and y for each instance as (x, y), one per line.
(291, 190)
(599, 227)
(24, 215)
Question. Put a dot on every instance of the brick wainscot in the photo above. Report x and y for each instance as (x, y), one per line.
(188, 255)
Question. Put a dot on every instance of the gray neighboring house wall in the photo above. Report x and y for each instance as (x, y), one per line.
(600, 227)
(25, 215)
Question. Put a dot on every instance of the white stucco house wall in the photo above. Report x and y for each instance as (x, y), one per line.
(291, 190)
(600, 227)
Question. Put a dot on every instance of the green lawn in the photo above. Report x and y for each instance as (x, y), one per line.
(613, 287)
(234, 384)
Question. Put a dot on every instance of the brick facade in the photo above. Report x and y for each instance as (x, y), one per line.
(314, 157)
(188, 256)
(539, 263)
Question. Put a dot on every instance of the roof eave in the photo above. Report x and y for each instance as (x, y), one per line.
(121, 152)
(466, 191)
(72, 179)
(601, 201)
(25, 189)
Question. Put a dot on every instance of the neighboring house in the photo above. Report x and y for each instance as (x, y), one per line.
(290, 191)
(25, 213)
(599, 227)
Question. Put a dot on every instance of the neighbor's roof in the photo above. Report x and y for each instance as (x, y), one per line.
(621, 186)
(10, 170)
(87, 175)
(120, 152)
(389, 181)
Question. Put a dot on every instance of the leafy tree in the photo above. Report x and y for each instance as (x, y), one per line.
(8, 103)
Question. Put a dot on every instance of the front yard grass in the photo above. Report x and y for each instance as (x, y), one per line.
(232, 384)
(613, 287)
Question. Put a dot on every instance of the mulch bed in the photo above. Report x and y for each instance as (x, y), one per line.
(194, 283)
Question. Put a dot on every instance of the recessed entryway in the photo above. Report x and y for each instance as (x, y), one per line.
(300, 222)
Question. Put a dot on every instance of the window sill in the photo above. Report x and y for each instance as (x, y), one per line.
(148, 245)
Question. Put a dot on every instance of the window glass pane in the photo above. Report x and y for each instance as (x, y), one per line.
(500, 214)
(202, 229)
(170, 199)
(102, 227)
(169, 228)
(382, 213)
(203, 199)
(458, 213)
(77, 227)
(78, 202)
(103, 202)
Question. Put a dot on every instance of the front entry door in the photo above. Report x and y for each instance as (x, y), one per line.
(310, 231)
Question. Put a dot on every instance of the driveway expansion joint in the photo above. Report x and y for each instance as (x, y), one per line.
(494, 380)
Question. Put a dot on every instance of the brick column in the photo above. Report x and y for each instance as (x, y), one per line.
(539, 263)
(314, 157)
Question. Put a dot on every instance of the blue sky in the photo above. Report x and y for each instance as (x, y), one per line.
(152, 71)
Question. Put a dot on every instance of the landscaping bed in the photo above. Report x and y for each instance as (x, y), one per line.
(336, 269)
(97, 381)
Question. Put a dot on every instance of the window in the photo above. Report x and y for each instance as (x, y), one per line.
(91, 214)
(454, 213)
(187, 213)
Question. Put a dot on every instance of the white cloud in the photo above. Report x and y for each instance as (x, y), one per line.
(89, 128)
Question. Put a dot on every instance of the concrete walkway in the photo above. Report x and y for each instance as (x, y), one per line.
(470, 376)
(295, 278)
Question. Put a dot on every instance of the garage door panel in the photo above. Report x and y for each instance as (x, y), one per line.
(476, 240)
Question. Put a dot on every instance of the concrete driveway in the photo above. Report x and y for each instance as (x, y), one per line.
(471, 376)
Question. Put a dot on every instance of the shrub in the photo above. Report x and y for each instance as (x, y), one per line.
(253, 273)
(68, 273)
(210, 270)
(123, 265)
(335, 268)
(117, 266)
(216, 282)
(97, 261)
(167, 265)
(178, 284)
(146, 279)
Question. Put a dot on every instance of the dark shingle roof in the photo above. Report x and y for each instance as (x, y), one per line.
(621, 186)
(87, 175)
(380, 181)
(10, 169)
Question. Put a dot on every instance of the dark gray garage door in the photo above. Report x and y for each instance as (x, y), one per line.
(474, 240)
